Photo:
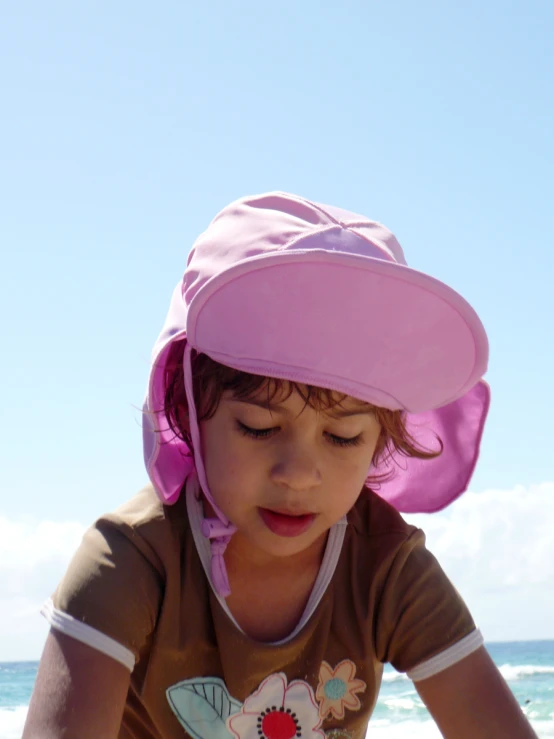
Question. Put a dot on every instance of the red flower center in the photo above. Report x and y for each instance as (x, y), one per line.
(278, 725)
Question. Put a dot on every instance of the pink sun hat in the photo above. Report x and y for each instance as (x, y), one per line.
(283, 287)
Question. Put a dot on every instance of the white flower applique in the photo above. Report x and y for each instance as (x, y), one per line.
(278, 710)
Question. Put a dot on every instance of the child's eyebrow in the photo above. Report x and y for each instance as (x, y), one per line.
(278, 408)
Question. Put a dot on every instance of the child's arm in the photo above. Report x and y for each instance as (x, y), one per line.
(79, 692)
(470, 700)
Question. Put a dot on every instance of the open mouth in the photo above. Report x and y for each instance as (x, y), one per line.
(285, 524)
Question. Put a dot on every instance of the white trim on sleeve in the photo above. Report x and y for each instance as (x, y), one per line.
(449, 657)
(87, 634)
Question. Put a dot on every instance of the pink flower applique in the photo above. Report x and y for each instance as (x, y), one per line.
(337, 689)
(278, 711)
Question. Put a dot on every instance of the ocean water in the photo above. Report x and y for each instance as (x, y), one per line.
(527, 666)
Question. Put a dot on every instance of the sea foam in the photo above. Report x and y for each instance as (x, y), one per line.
(517, 672)
(12, 721)
(428, 730)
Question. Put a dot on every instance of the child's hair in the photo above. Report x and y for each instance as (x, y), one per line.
(211, 380)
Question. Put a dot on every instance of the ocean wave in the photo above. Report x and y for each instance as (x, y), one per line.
(383, 729)
(428, 730)
(12, 721)
(517, 672)
(404, 704)
(508, 671)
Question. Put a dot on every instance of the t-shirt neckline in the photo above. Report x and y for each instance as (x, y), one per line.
(326, 571)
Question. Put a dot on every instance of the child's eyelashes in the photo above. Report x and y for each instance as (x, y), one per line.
(265, 433)
(255, 433)
(341, 441)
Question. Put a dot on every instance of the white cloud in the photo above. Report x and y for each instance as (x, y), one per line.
(498, 548)
(33, 558)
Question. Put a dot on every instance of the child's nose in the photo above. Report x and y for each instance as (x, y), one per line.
(296, 469)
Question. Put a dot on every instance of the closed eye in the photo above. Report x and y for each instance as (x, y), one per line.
(340, 441)
(255, 433)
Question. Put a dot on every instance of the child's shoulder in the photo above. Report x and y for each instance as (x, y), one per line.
(145, 508)
(383, 542)
(140, 536)
(373, 517)
(145, 517)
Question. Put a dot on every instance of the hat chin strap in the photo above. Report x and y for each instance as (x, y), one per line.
(218, 530)
(219, 535)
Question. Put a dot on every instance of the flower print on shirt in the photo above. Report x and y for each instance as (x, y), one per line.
(278, 710)
(337, 689)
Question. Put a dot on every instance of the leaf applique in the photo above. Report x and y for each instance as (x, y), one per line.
(203, 705)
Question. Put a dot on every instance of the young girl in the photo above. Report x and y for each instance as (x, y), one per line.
(306, 387)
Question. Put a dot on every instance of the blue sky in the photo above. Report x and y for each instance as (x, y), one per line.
(126, 126)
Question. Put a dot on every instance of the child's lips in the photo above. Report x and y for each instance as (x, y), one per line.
(285, 523)
(287, 512)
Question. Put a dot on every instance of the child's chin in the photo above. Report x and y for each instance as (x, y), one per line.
(284, 547)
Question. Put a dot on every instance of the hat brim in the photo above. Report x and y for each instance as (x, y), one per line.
(376, 330)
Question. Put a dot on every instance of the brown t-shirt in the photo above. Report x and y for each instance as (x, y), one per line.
(137, 578)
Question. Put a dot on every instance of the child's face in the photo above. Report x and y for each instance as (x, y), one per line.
(284, 476)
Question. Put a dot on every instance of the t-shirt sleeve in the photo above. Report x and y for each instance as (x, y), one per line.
(113, 584)
(421, 614)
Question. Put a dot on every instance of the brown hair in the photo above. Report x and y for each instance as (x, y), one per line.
(211, 380)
